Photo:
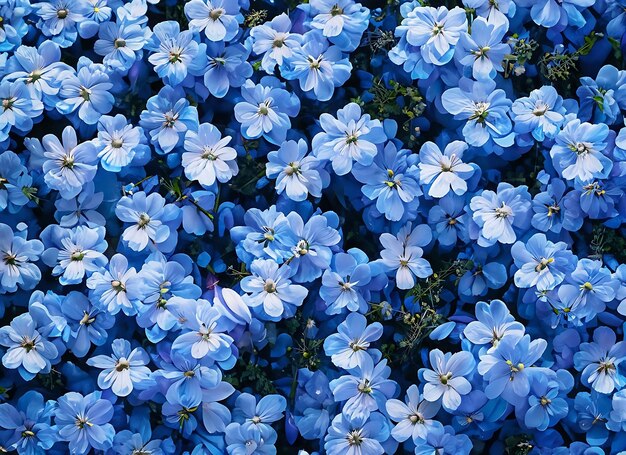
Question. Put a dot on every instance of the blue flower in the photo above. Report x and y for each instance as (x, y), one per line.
(348, 348)
(350, 137)
(207, 156)
(296, 174)
(443, 440)
(185, 379)
(391, 181)
(175, 53)
(482, 49)
(318, 67)
(484, 108)
(365, 390)
(346, 284)
(541, 113)
(500, 214)
(118, 143)
(444, 172)
(357, 435)
(123, 370)
(226, 67)
(541, 263)
(509, 366)
(18, 108)
(415, 418)
(74, 252)
(310, 245)
(167, 118)
(274, 41)
(435, 31)
(13, 178)
(204, 337)
(86, 92)
(546, 406)
(449, 221)
(403, 254)
(577, 153)
(446, 380)
(121, 44)
(69, 165)
(108, 287)
(218, 18)
(592, 414)
(29, 423)
(83, 421)
(241, 439)
(494, 323)
(152, 221)
(266, 234)
(58, 20)
(600, 99)
(17, 257)
(599, 361)
(28, 351)
(261, 415)
(555, 209)
(14, 26)
(265, 110)
(549, 13)
(341, 22)
(271, 291)
(87, 323)
(39, 68)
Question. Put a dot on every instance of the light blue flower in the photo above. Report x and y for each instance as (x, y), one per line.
(577, 153)
(17, 258)
(58, 20)
(123, 370)
(297, 175)
(318, 67)
(265, 110)
(274, 41)
(446, 379)
(28, 351)
(351, 137)
(403, 254)
(225, 67)
(415, 418)
(346, 284)
(482, 49)
(446, 171)
(121, 44)
(348, 347)
(493, 324)
(351, 435)
(541, 113)
(108, 287)
(261, 415)
(271, 291)
(83, 421)
(549, 13)
(341, 22)
(118, 143)
(599, 361)
(219, 19)
(207, 157)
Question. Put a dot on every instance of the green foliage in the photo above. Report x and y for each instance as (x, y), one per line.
(560, 66)
(518, 444)
(255, 17)
(607, 241)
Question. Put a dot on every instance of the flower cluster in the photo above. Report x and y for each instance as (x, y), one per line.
(324, 227)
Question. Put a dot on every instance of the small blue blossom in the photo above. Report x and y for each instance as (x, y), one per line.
(207, 157)
(348, 348)
(219, 19)
(541, 113)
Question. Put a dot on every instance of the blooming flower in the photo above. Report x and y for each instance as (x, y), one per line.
(208, 156)
(341, 22)
(118, 142)
(16, 260)
(270, 289)
(83, 421)
(123, 370)
(274, 41)
(348, 347)
(482, 49)
(152, 220)
(349, 137)
(499, 213)
(353, 435)
(435, 31)
(415, 418)
(391, 181)
(74, 252)
(493, 324)
(541, 263)
(484, 108)
(265, 110)
(578, 151)
(219, 19)
(69, 165)
(259, 415)
(599, 361)
(109, 286)
(121, 45)
(28, 351)
(541, 113)
(318, 67)
(446, 380)
(444, 171)
(346, 284)
(403, 253)
(86, 92)
(296, 174)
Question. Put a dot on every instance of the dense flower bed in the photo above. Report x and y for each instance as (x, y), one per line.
(257, 227)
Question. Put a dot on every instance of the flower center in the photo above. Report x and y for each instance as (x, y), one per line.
(269, 286)
(336, 10)
(302, 248)
(354, 438)
(85, 93)
(504, 211)
(117, 143)
(119, 42)
(144, 220)
(122, 365)
(62, 13)
(216, 13)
